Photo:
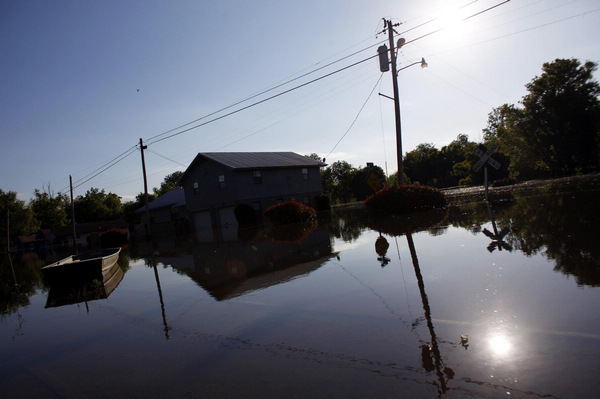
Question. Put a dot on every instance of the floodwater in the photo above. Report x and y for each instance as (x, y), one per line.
(471, 302)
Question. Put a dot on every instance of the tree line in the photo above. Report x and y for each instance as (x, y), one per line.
(553, 132)
(47, 209)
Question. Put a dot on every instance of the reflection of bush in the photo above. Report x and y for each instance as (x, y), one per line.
(291, 221)
(290, 212)
(294, 232)
(397, 225)
(405, 199)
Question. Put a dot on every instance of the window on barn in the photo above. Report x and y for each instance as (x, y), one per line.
(222, 181)
(196, 188)
(304, 173)
(256, 177)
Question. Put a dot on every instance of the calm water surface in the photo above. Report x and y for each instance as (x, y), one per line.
(467, 308)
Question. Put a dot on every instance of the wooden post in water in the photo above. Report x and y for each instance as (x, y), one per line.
(73, 216)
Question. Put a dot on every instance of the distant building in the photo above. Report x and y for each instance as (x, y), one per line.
(88, 234)
(168, 214)
(216, 183)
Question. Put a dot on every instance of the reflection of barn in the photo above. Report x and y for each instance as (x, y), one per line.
(216, 183)
(236, 268)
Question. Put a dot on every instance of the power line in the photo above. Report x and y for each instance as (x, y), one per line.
(164, 157)
(149, 141)
(266, 99)
(357, 115)
(109, 165)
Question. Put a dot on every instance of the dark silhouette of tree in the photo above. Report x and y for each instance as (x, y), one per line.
(170, 183)
(557, 131)
(96, 205)
(51, 210)
(22, 220)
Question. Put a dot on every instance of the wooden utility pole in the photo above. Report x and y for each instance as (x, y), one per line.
(390, 27)
(142, 148)
(73, 216)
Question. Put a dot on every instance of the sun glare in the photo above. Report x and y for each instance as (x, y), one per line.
(450, 20)
(500, 345)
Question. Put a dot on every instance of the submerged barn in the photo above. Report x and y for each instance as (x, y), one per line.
(216, 183)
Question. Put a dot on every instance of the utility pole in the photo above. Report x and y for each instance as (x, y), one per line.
(142, 148)
(390, 27)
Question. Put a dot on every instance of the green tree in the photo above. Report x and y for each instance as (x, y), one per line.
(359, 183)
(96, 205)
(337, 180)
(315, 157)
(557, 131)
(170, 183)
(422, 164)
(49, 209)
(22, 220)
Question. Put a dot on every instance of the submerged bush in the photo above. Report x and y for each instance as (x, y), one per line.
(405, 199)
(290, 212)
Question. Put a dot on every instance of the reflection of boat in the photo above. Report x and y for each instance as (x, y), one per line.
(90, 265)
(68, 292)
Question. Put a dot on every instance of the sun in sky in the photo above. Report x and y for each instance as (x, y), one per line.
(452, 23)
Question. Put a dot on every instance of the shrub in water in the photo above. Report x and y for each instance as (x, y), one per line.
(405, 199)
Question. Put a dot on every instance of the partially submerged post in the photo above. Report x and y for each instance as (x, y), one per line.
(73, 216)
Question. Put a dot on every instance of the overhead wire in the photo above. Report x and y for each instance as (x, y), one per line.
(357, 115)
(108, 165)
(257, 95)
(267, 99)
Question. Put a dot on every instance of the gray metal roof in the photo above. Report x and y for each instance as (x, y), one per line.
(250, 160)
(170, 198)
(254, 160)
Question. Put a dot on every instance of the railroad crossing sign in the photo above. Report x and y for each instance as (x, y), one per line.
(486, 157)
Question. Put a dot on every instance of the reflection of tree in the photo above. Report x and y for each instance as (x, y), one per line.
(346, 224)
(565, 227)
(28, 278)
(557, 221)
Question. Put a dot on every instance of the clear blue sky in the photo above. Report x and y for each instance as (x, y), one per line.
(83, 81)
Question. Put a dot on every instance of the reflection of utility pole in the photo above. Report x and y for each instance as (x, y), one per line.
(162, 302)
(142, 148)
(8, 247)
(434, 343)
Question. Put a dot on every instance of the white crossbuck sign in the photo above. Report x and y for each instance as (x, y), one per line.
(486, 157)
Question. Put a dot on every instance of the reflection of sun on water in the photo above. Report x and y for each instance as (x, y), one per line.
(500, 345)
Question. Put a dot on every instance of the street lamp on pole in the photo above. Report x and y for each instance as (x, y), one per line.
(383, 59)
